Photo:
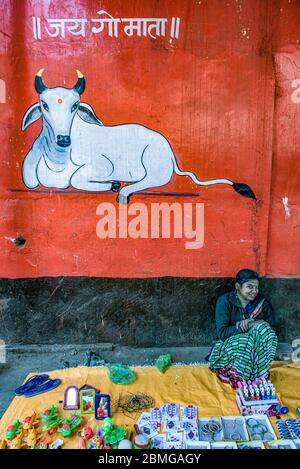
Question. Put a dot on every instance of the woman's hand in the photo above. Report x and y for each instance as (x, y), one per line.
(245, 325)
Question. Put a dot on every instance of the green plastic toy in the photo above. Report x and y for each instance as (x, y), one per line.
(51, 424)
(114, 435)
(12, 430)
(120, 374)
(107, 424)
(69, 424)
(49, 414)
(163, 362)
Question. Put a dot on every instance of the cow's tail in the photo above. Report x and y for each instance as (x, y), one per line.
(239, 187)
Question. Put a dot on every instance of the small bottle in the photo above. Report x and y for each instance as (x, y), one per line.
(246, 393)
(261, 391)
(256, 391)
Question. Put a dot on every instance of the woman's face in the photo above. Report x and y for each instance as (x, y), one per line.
(248, 290)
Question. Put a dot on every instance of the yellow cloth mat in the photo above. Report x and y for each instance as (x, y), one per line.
(180, 384)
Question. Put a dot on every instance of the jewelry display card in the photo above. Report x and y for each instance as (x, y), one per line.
(197, 445)
(210, 429)
(223, 445)
(251, 445)
(159, 441)
(281, 444)
(259, 428)
(172, 425)
(235, 429)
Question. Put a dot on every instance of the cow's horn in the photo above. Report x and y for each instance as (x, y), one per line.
(80, 85)
(38, 82)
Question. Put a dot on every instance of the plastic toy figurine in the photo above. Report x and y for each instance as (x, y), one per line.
(57, 444)
(12, 430)
(30, 421)
(81, 443)
(49, 414)
(44, 442)
(51, 420)
(69, 424)
(31, 438)
(87, 433)
(3, 444)
(99, 431)
(51, 426)
(65, 429)
(76, 419)
(96, 442)
(16, 442)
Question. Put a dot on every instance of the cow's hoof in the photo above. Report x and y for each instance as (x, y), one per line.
(115, 186)
(123, 199)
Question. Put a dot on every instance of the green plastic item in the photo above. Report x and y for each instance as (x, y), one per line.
(13, 430)
(163, 362)
(107, 424)
(49, 414)
(69, 424)
(120, 374)
(114, 435)
(51, 423)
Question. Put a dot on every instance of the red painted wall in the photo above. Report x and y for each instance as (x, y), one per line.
(222, 95)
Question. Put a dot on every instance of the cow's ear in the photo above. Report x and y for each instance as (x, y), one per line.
(32, 115)
(87, 114)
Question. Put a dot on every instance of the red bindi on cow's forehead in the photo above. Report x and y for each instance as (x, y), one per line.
(59, 100)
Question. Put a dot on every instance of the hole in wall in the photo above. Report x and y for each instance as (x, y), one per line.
(20, 242)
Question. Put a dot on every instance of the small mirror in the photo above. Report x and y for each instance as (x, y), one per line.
(71, 399)
(87, 401)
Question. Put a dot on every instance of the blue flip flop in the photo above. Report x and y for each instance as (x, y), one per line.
(32, 382)
(41, 388)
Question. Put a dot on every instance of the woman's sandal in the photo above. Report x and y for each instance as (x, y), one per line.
(35, 380)
(47, 386)
(37, 384)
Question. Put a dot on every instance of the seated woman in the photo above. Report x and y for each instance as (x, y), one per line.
(245, 328)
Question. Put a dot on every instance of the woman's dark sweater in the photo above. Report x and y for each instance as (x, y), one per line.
(229, 311)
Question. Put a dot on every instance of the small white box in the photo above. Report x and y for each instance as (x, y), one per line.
(235, 429)
(260, 428)
(210, 436)
(224, 445)
(281, 444)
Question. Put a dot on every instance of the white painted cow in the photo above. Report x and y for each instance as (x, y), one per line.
(75, 149)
